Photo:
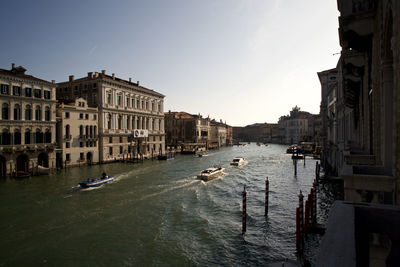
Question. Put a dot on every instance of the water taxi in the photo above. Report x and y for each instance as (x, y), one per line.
(238, 161)
(210, 173)
(96, 181)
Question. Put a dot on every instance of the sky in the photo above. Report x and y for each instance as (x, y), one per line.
(239, 61)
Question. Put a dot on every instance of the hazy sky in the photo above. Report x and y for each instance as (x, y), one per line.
(242, 61)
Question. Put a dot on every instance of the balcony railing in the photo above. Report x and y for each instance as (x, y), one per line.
(68, 137)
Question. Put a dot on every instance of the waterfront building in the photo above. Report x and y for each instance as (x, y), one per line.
(182, 129)
(329, 99)
(367, 118)
(130, 116)
(229, 135)
(368, 137)
(28, 121)
(218, 134)
(77, 134)
(258, 132)
(294, 128)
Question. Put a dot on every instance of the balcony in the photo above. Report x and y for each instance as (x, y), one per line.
(89, 137)
(356, 23)
(68, 137)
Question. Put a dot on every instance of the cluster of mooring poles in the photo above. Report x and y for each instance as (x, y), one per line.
(306, 215)
(244, 214)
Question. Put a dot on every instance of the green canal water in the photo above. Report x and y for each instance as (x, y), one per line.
(156, 213)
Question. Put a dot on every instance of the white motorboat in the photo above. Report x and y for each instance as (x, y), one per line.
(238, 161)
(210, 173)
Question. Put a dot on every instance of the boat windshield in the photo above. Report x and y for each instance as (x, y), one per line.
(236, 160)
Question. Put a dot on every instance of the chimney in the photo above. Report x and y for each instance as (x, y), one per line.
(113, 75)
(138, 84)
(96, 74)
(103, 72)
(71, 78)
(12, 66)
(130, 80)
(53, 81)
(90, 75)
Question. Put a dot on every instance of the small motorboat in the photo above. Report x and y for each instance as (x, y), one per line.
(238, 161)
(210, 173)
(96, 181)
(21, 174)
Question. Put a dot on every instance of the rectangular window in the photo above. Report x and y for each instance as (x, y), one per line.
(81, 144)
(137, 103)
(81, 116)
(37, 93)
(119, 100)
(110, 152)
(159, 107)
(86, 116)
(127, 102)
(5, 89)
(76, 88)
(110, 140)
(109, 99)
(87, 144)
(67, 157)
(17, 90)
(47, 94)
(120, 139)
(67, 115)
(120, 150)
(28, 92)
(81, 156)
(94, 85)
(67, 145)
(152, 106)
(94, 116)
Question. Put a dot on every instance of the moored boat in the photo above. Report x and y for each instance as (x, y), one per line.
(238, 161)
(210, 173)
(21, 174)
(42, 170)
(96, 181)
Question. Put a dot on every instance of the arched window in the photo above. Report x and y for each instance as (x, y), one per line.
(28, 112)
(81, 130)
(5, 137)
(67, 131)
(27, 137)
(127, 122)
(38, 136)
(47, 136)
(38, 113)
(5, 112)
(17, 112)
(95, 130)
(87, 131)
(47, 114)
(91, 131)
(109, 121)
(17, 137)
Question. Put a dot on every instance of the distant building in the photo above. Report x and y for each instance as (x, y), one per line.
(258, 132)
(77, 134)
(184, 128)
(131, 117)
(218, 134)
(294, 128)
(28, 121)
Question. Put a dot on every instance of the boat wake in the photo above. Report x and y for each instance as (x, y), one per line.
(187, 184)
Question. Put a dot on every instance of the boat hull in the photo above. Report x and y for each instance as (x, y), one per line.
(210, 176)
(95, 182)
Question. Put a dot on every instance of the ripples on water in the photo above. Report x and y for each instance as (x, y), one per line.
(156, 213)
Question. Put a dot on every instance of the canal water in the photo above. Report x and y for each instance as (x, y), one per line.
(156, 213)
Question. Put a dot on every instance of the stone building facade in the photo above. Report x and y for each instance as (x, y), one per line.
(218, 134)
(294, 128)
(258, 132)
(28, 121)
(130, 119)
(184, 128)
(77, 134)
(368, 101)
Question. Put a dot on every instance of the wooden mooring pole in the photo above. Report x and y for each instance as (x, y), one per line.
(295, 166)
(266, 196)
(244, 210)
(299, 223)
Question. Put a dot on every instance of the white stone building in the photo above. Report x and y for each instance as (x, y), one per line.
(28, 121)
(77, 134)
(131, 117)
